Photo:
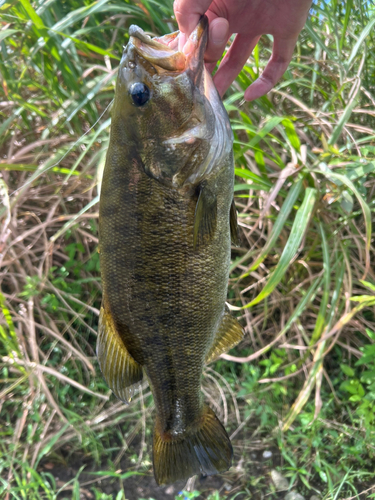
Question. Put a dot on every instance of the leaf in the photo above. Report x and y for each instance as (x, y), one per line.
(254, 178)
(367, 284)
(291, 248)
(5, 33)
(308, 297)
(88, 10)
(120, 475)
(32, 14)
(23, 167)
(47, 448)
(347, 202)
(365, 209)
(321, 320)
(347, 370)
(360, 170)
(348, 9)
(366, 31)
(317, 40)
(291, 134)
(90, 46)
(346, 114)
(5, 126)
(281, 220)
(363, 299)
(265, 130)
(72, 221)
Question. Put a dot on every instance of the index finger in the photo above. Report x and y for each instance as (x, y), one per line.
(282, 54)
(188, 13)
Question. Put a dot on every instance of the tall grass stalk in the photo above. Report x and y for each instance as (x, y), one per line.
(302, 280)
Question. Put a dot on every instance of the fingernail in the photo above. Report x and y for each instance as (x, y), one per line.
(253, 92)
(219, 31)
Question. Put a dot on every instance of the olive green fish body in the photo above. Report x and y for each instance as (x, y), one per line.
(169, 297)
(165, 216)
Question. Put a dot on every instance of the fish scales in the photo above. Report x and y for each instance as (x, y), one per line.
(165, 238)
(154, 277)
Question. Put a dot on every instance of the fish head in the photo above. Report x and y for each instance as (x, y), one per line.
(165, 102)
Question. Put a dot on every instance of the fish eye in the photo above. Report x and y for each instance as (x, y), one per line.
(140, 93)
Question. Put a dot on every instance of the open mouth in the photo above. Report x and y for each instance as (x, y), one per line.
(164, 53)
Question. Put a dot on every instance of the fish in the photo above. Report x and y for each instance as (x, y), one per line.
(166, 221)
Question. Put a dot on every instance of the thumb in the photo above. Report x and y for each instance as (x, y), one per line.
(188, 13)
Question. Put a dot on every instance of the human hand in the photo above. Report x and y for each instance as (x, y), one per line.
(249, 19)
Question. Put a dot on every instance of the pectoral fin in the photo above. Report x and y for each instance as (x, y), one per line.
(228, 335)
(234, 233)
(205, 216)
(121, 372)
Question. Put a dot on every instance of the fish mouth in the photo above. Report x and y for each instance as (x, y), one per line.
(164, 53)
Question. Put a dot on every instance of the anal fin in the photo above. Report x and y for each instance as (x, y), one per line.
(228, 335)
(121, 372)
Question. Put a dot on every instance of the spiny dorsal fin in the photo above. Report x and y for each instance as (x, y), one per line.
(234, 233)
(205, 217)
(228, 335)
(121, 372)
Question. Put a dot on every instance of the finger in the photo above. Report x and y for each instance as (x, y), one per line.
(188, 13)
(234, 61)
(281, 56)
(210, 67)
(217, 39)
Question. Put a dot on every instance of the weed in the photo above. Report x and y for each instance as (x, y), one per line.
(302, 382)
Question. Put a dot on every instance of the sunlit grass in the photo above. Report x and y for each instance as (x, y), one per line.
(302, 280)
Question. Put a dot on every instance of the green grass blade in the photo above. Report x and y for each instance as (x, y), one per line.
(77, 15)
(281, 220)
(22, 167)
(265, 130)
(304, 302)
(94, 137)
(47, 448)
(346, 114)
(318, 41)
(5, 33)
(291, 134)
(366, 31)
(321, 318)
(256, 180)
(298, 230)
(348, 9)
(365, 209)
(32, 14)
(73, 220)
(5, 126)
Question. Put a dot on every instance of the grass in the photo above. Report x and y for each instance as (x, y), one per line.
(301, 386)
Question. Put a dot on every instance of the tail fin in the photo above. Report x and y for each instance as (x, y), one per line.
(206, 450)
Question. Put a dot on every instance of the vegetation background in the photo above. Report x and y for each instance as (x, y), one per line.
(298, 394)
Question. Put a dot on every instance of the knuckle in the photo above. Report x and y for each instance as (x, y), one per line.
(178, 7)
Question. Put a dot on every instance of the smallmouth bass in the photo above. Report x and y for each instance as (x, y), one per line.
(166, 219)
